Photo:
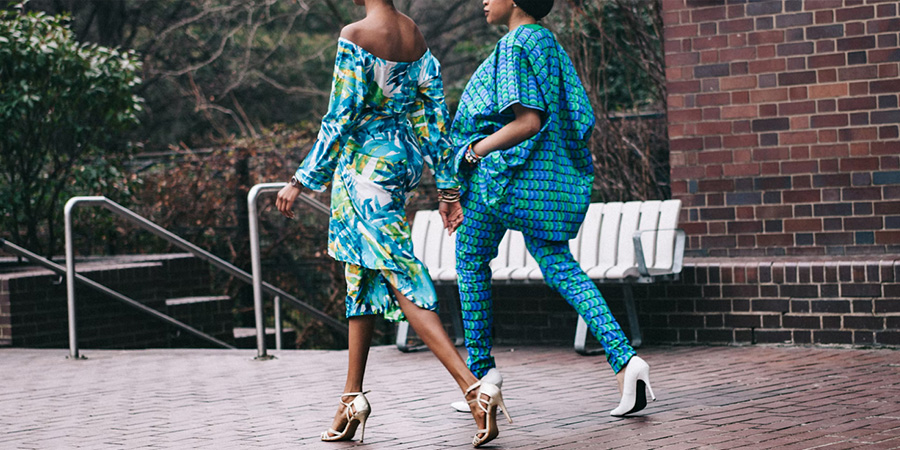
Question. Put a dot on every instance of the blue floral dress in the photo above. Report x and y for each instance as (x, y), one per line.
(386, 120)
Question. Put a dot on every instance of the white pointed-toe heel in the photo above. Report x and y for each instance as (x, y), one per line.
(634, 396)
(357, 412)
(489, 406)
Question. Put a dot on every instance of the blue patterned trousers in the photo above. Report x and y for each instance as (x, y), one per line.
(477, 240)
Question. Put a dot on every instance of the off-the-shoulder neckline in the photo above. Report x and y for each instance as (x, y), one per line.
(354, 44)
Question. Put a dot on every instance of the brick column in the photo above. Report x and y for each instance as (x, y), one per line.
(783, 124)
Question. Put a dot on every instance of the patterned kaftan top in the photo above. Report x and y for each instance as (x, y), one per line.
(541, 186)
(385, 121)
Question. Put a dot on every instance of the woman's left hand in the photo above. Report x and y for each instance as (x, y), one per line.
(285, 200)
(452, 214)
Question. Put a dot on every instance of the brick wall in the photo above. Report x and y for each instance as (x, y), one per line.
(783, 125)
(734, 300)
(785, 301)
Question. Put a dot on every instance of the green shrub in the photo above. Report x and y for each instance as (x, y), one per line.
(63, 109)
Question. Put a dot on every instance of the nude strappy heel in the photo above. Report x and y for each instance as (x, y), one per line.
(489, 407)
(357, 412)
(634, 398)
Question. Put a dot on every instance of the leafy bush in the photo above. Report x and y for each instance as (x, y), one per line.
(63, 106)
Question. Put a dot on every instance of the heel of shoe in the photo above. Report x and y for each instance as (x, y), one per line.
(644, 375)
(496, 397)
(357, 412)
(647, 381)
(489, 407)
(363, 409)
(634, 396)
(505, 412)
(362, 426)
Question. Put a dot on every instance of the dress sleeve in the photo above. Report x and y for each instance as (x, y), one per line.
(429, 120)
(348, 91)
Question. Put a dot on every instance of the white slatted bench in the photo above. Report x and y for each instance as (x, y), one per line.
(618, 243)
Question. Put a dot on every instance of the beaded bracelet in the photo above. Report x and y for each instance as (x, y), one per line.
(471, 156)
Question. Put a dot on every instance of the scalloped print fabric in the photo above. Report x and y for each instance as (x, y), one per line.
(541, 186)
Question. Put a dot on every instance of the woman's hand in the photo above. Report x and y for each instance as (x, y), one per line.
(285, 200)
(452, 215)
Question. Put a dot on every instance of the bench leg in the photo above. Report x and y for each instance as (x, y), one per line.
(636, 339)
(581, 334)
(403, 337)
(459, 335)
(581, 330)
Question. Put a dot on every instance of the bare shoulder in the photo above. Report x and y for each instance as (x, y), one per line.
(395, 38)
(352, 31)
(411, 29)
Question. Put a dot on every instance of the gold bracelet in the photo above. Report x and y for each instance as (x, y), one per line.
(448, 195)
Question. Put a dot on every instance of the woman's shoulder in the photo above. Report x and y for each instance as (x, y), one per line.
(353, 32)
(399, 41)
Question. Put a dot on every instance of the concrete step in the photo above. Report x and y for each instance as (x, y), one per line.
(211, 314)
(194, 300)
(245, 337)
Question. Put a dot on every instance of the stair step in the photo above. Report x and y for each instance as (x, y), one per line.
(193, 300)
(245, 337)
(251, 332)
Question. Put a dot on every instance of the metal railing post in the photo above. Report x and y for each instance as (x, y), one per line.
(70, 282)
(255, 264)
(70, 270)
(278, 327)
(255, 269)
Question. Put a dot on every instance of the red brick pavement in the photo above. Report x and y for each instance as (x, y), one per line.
(709, 398)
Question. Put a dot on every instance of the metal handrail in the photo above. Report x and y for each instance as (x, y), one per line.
(255, 260)
(178, 241)
(60, 270)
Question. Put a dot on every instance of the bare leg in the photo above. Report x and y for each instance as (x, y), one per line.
(359, 341)
(428, 326)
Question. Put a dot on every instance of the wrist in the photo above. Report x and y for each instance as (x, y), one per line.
(478, 153)
(448, 195)
(295, 183)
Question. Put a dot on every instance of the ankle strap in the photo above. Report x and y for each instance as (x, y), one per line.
(353, 394)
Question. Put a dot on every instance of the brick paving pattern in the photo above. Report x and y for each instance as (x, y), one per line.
(709, 397)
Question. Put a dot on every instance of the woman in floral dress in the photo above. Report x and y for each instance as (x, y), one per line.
(386, 120)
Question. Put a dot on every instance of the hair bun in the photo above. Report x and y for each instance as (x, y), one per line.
(535, 8)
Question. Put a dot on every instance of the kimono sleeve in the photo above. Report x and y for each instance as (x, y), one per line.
(429, 120)
(517, 76)
(347, 94)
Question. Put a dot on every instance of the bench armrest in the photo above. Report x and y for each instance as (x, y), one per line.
(677, 255)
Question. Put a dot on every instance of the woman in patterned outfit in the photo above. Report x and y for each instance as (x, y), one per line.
(386, 119)
(521, 133)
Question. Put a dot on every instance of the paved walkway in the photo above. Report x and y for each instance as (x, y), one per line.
(709, 397)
